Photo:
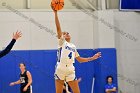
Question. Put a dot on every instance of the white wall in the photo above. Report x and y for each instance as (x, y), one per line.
(103, 34)
(128, 51)
(112, 4)
(77, 23)
(107, 35)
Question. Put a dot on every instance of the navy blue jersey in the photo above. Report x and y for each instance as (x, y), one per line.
(24, 81)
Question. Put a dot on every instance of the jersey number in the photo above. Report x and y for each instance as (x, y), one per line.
(70, 55)
(22, 80)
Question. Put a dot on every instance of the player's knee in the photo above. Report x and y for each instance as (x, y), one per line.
(58, 91)
(77, 91)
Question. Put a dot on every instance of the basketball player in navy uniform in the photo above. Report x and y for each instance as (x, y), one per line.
(25, 80)
(16, 36)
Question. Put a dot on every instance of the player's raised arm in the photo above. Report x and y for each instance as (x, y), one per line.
(16, 36)
(59, 32)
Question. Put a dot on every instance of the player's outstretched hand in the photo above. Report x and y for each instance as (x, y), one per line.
(97, 55)
(17, 35)
(12, 84)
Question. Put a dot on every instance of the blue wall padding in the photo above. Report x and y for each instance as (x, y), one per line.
(130, 4)
(105, 66)
(41, 63)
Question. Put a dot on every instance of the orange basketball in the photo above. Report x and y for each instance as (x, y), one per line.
(57, 4)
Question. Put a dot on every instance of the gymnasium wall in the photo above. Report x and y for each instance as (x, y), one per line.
(37, 48)
(36, 37)
(128, 51)
(45, 4)
(117, 29)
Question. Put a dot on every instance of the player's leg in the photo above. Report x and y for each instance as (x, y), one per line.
(59, 81)
(59, 86)
(74, 86)
(72, 81)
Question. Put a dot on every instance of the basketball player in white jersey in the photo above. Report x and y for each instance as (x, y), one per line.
(65, 71)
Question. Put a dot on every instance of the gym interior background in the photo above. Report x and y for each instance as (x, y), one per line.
(95, 25)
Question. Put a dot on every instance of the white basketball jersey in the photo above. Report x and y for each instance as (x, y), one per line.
(66, 52)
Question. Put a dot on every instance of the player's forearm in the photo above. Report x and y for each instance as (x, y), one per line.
(29, 83)
(8, 48)
(82, 60)
(58, 25)
(112, 90)
(17, 82)
(29, 79)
